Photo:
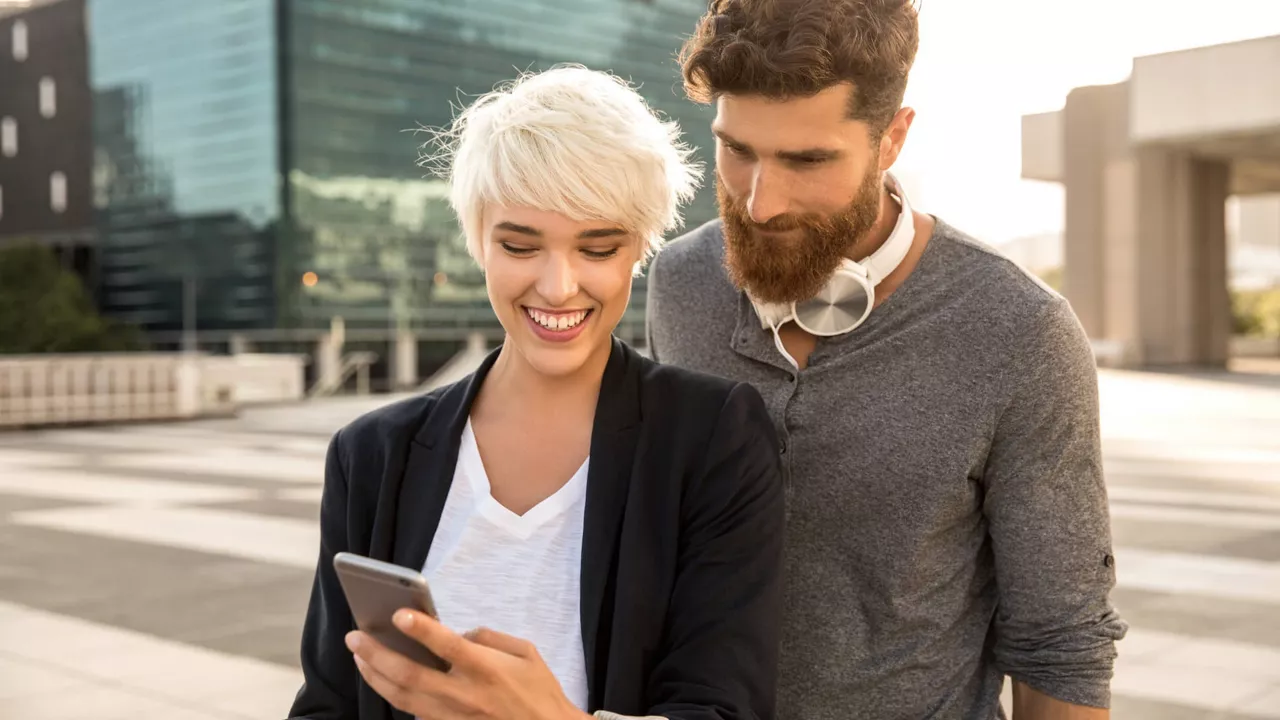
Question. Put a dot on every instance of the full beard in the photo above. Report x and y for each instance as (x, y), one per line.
(777, 270)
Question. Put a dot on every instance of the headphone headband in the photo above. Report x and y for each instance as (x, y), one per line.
(888, 256)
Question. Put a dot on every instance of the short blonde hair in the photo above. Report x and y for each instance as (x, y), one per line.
(579, 142)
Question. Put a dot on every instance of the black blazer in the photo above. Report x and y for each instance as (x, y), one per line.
(682, 541)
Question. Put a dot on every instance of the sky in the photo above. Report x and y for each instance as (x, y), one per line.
(983, 64)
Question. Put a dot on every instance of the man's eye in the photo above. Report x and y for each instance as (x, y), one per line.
(600, 254)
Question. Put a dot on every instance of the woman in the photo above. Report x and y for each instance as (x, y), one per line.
(617, 524)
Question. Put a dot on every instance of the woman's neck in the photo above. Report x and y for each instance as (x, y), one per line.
(515, 387)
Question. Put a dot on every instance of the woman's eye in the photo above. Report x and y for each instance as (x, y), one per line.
(516, 249)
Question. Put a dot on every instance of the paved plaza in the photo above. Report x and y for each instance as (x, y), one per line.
(162, 571)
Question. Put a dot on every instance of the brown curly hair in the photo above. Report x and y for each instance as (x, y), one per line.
(798, 48)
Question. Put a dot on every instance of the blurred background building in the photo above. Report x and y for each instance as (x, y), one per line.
(46, 148)
(247, 168)
(1150, 167)
(253, 162)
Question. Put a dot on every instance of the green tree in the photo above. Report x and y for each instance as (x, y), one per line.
(1052, 277)
(44, 308)
(1256, 312)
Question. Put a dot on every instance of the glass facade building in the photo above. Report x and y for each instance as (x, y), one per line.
(245, 144)
(186, 182)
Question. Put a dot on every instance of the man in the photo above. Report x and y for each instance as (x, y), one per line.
(937, 406)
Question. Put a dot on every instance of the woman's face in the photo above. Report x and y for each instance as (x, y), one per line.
(558, 286)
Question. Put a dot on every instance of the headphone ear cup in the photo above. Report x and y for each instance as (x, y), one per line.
(842, 305)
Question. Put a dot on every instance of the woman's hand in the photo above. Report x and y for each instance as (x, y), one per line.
(493, 675)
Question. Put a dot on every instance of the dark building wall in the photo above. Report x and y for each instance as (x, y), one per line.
(55, 140)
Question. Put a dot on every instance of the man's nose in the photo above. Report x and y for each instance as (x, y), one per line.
(768, 199)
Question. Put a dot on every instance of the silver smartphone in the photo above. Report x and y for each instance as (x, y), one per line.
(375, 590)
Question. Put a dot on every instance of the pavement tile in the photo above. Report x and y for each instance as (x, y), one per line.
(205, 623)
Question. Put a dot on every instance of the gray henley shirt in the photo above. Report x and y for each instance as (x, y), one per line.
(947, 515)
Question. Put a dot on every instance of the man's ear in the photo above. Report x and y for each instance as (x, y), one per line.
(895, 137)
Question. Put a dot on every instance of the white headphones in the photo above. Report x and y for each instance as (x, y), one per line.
(846, 300)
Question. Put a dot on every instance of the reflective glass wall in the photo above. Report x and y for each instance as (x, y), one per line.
(263, 152)
(186, 160)
(361, 75)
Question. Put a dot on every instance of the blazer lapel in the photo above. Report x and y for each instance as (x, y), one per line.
(428, 470)
(416, 485)
(416, 488)
(613, 445)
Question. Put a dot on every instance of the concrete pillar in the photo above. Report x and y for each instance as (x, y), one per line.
(1211, 279)
(404, 360)
(239, 344)
(329, 354)
(1166, 271)
(1094, 133)
(1082, 249)
(1121, 260)
(1145, 238)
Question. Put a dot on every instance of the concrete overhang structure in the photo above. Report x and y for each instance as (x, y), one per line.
(1147, 166)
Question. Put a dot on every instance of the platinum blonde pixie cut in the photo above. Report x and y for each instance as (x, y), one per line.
(579, 142)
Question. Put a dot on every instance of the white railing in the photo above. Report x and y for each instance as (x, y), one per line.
(38, 390)
(356, 363)
(257, 377)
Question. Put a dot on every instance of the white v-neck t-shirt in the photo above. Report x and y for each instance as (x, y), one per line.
(517, 574)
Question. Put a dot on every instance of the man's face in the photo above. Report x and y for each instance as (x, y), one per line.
(799, 186)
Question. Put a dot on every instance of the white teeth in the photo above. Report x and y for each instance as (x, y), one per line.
(557, 322)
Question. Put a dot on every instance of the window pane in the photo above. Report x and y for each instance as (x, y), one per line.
(48, 97)
(19, 41)
(9, 137)
(58, 192)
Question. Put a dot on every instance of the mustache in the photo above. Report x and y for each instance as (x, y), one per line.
(780, 223)
(776, 224)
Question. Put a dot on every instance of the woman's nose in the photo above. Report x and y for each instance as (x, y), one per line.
(558, 283)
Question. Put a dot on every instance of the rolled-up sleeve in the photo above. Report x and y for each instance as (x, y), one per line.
(1046, 506)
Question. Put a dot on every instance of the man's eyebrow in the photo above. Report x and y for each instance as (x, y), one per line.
(809, 155)
(804, 155)
(726, 137)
